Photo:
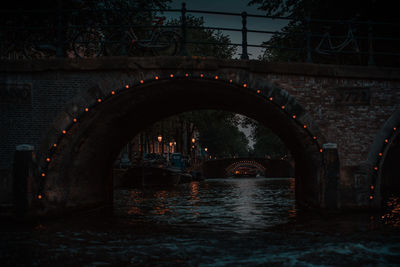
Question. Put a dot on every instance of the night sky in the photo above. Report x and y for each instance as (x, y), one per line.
(235, 6)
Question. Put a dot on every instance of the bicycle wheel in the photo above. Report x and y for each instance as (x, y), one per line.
(114, 47)
(325, 46)
(88, 44)
(38, 46)
(166, 44)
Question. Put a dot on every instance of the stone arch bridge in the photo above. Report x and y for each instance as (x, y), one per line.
(265, 167)
(339, 122)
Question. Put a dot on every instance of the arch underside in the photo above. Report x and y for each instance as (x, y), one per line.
(232, 168)
(80, 172)
(382, 165)
(390, 174)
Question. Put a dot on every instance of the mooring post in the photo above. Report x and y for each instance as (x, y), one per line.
(331, 175)
(23, 179)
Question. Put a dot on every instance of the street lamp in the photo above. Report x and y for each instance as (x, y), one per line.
(204, 156)
(174, 146)
(193, 154)
(159, 139)
(169, 151)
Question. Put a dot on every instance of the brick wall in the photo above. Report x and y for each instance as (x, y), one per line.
(351, 126)
(28, 122)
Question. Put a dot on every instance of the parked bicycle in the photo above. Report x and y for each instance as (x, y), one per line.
(51, 36)
(44, 45)
(328, 47)
(93, 42)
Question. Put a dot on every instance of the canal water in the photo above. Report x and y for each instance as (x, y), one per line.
(216, 222)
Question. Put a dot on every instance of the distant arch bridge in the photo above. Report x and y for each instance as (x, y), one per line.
(265, 167)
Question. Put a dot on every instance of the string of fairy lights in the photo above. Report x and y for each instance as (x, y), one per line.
(377, 167)
(48, 159)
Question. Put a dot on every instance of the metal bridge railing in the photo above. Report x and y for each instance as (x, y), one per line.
(92, 33)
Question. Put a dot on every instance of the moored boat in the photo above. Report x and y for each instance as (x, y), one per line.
(160, 176)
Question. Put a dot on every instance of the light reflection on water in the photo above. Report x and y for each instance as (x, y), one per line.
(236, 204)
(219, 222)
(392, 214)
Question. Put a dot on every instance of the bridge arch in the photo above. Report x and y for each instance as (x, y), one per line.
(231, 168)
(77, 154)
(383, 158)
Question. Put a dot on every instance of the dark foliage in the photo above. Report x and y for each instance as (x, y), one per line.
(346, 14)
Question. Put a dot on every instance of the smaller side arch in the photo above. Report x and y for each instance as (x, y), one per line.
(377, 155)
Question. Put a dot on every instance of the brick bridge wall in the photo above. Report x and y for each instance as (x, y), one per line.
(348, 105)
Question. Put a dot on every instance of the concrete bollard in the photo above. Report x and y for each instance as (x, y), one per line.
(332, 175)
(23, 178)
